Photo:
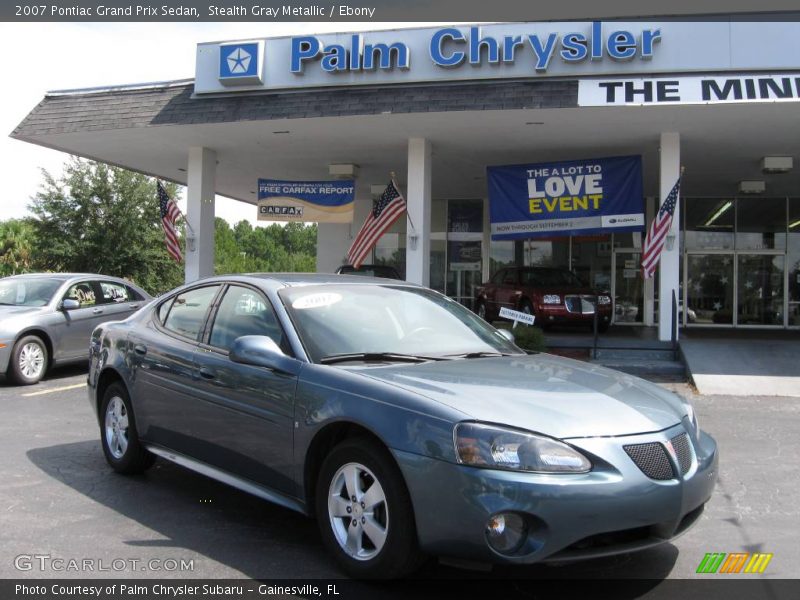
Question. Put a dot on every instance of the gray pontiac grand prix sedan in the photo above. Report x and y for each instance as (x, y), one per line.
(404, 423)
(46, 319)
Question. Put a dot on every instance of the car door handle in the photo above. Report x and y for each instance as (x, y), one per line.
(133, 306)
(97, 311)
(207, 373)
(140, 349)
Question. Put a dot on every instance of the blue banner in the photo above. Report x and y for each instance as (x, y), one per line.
(600, 195)
(317, 201)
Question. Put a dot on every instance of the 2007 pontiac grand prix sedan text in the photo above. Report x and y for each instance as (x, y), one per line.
(407, 425)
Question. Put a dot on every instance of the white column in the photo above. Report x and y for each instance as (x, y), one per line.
(201, 181)
(669, 268)
(418, 196)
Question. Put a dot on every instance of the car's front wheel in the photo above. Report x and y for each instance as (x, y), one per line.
(28, 360)
(365, 513)
(118, 434)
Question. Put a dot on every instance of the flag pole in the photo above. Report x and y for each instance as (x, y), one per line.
(393, 177)
(185, 220)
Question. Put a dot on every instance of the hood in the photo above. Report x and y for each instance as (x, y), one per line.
(7, 312)
(555, 396)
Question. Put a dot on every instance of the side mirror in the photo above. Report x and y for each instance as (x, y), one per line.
(70, 304)
(507, 334)
(262, 351)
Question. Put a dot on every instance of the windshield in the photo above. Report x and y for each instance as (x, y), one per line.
(19, 291)
(557, 278)
(375, 319)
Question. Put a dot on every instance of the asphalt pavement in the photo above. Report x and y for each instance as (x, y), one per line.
(60, 500)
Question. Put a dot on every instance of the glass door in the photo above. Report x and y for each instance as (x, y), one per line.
(628, 286)
(760, 289)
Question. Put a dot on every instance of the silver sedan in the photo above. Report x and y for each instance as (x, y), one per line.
(46, 319)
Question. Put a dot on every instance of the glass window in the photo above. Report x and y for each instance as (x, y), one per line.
(27, 291)
(501, 254)
(760, 289)
(709, 223)
(244, 312)
(343, 319)
(83, 292)
(591, 260)
(793, 261)
(188, 312)
(510, 277)
(550, 278)
(710, 289)
(114, 292)
(498, 277)
(390, 250)
(761, 223)
(163, 310)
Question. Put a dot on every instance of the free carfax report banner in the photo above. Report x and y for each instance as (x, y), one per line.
(317, 201)
(600, 195)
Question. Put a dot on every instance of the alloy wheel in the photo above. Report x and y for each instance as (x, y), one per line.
(116, 427)
(358, 511)
(31, 360)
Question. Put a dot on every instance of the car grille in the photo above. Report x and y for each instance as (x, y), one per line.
(653, 460)
(580, 304)
(684, 451)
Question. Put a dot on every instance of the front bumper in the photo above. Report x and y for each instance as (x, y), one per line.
(558, 314)
(613, 509)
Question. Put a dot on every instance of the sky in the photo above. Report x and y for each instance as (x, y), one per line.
(38, 57)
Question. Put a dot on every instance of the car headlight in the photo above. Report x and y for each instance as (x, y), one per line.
(604, 299)
(494, 447)
(552, 299)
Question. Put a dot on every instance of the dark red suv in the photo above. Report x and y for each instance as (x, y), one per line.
(552, 295)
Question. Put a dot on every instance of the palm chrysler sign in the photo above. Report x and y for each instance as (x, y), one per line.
(523, 51)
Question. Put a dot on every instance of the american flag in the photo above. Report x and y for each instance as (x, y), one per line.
(389, 207)
(657, 234)
(169, 214)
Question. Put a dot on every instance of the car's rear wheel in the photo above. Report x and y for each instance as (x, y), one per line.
(28, 360)
(365, 513)
(118, 433)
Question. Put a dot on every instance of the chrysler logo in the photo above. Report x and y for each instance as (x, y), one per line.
(239, 61)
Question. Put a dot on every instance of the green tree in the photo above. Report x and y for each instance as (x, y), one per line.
(98, 218)
(16, 246)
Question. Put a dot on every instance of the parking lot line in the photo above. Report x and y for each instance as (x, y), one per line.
(52, 390)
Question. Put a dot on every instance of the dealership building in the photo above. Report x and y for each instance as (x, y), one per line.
(448, 108)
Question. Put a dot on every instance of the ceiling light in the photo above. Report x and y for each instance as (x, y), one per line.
(719, 213)
(776, 164)
(752, 186)
(534, 122)
(281, 132)
(795, 224)
(343, 171)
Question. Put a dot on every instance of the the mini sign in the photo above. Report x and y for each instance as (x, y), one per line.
(312, 201)
(516, 316)
(784, 87)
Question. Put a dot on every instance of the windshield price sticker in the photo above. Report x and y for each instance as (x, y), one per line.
(316, 300)
(516, 316)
